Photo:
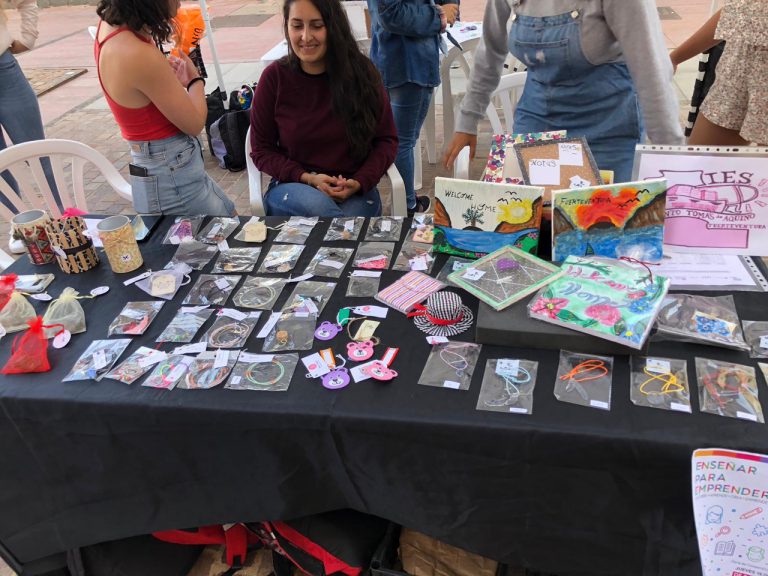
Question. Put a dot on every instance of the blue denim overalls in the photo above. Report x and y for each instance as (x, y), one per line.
(564, 91)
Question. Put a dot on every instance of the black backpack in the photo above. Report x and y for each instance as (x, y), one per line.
(227, 139)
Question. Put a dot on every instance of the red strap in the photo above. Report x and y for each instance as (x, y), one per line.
(331, 564)
(203, 535)
(420, 310)
(237, 544)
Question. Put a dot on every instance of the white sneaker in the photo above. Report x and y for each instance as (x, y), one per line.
(15, 246)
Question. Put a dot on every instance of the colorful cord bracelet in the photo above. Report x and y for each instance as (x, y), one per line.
(230, 335)
(249, 374)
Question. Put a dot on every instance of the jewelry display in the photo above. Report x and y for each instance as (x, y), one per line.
(411, 289)
(193, 253)
(184, 326)
(252, 231)
(97, 360)
(345, 228)
(329, 262)
(265, 372)
(422, 233)
(703, 319)
(728, 389)
(660, 383)
(363, 284)
(135, 318)
(165, 283)
(414, 256)
(373, 255)
(584, 380)
(210, 289)
(259, 292)
(508, 386)
(131, 369)
(169, 372)
(227, 332)
(218, 228)
(309, 296)
(291, 332)
(756, 335)
(384, 228)
(281, 258)
(297, 229)
(182, 229)
(451, 365)
(204, 374)
(242, 260)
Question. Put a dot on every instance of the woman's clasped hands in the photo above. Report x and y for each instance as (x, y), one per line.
(337, 187)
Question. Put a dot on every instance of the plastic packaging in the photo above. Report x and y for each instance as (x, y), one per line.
(296, 230)
(185, 325)
(373, 255)
(414, 256)
(211, 289)
(584, 379)
(165, 283)
(756, 335)
(728, 389)
(135, 318)
(240, 260)
(65, 310)
(660, 383)
(167, 373)
(266, 372)
(345, 228)
(16, 313)
(30, 283)
(97, 360)
(281, 258)
(329, 262)
(194, 253)
(453, 264)
(421, 233)
(508, 385)
(291, 332)
(703, 319)
(252, 231)
(363, 283)
(218, 228)
(451, 365)
(310, 297)
(183, 228)
(384, 229)
(231, 328)
(259, 292)
(208, 370)
(136, 365)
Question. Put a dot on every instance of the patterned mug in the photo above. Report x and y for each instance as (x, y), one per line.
(29, 227)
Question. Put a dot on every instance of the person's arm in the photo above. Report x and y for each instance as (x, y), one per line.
(700, 41)
(265, 133)
(637, 27)
(383, 149)
(409, 18)
(28, 12)
(165, 84)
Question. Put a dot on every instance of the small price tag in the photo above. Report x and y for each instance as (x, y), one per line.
(419, 218)
(658, 366)
(473, 274)
(437, 340)
(299, 278)
(223, 245)
(507, 367)
(367, 328)
(214, 230)
(764, 341)
(349, 225)
(599, 404)
(259, 358)
(451, 384)
(419, 263)
(192, 309)
(367, 273)
(163, 284)
(518, 410)
(678, 407)
(99, 359)
(232, 313)
(746, 416)
(222, 284)
(44, 296)
(222, 358)
(133, 313)
(305, 222)
(60, 340)
(267, 328)
(59, 251)
(386, 226)
(374, 311)
(174, 239)
(459, 266)
(137, 278)
(310, 306)
(331, 264)
(236, 379)
(357, 372)
(196, 348)
(315, 365)
(99, 290)
(154, 357)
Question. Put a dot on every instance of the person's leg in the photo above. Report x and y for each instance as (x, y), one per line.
(706, 133)
(410, 103)
(367, 204)
(296, 199)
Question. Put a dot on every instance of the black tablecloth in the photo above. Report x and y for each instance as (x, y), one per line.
(568, 489)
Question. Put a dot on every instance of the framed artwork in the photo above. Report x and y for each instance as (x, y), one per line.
(497, 169)
(505, 276)
(474, 218)
(612, 221)
(717, 197)
(558, 165)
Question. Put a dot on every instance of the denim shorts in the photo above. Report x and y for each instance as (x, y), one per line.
(174, 180)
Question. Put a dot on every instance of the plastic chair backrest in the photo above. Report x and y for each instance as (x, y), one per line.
(356, 14)
(507, 95)
(23, 163)
(453, 56)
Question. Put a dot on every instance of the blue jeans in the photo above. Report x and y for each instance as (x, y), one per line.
(296, 199)
(176, 181)
(410, 103)
(19, 117)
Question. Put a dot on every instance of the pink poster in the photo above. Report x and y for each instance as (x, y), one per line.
(717, 200)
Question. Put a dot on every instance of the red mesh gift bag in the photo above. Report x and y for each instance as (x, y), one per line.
(29, 352)
(7, 285)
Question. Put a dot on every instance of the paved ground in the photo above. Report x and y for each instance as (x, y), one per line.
(246, 30)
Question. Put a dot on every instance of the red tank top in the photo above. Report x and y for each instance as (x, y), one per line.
(136, 124)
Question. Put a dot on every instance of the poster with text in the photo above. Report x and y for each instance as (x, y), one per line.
(716, 202)
(730, 504)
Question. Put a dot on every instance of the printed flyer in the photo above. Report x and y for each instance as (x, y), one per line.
(730, 501)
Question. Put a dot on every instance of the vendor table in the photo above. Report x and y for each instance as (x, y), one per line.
(569, 490)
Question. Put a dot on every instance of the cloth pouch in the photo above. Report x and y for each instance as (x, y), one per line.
(29, 352)
(67, 311)
(16, 313)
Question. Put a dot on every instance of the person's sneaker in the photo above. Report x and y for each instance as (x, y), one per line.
(15, 246)
(422, 205)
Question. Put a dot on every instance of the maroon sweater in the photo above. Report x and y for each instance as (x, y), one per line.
(294, 130)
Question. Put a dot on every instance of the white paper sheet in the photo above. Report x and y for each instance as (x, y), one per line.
(707, 271)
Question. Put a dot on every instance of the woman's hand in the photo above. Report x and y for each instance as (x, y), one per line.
(17, 47)
(344, 188)
(184, 68)
(459, 141)
(451, 12)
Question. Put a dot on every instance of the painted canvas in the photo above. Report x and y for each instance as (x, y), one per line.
(612, 221)
(717, 201)
(610, 299)
(474, 218)
(505, 276)
(502, 165)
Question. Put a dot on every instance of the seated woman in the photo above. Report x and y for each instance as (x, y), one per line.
(321, 124)
(160, 106)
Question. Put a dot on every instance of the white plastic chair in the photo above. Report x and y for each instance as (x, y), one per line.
(399, 207)
(355, 10)
(23, 162)
(507, 94)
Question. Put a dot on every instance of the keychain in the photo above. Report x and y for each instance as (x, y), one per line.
(378, 370)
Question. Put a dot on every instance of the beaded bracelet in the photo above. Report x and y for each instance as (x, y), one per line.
(206, 376)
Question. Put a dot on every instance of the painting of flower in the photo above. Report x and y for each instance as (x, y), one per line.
(549, 306)
(605, 314)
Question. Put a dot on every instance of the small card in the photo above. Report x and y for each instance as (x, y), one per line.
(507, 367)
(99, 359)
(222, 284)
(222, 358)
(437, 340)
(658, 366)
(223, 245)
(232, 313)
(267, 328)
(764, 341)
(571, 154)
(190, 348)
(375, 311)
(332, 264)
(367, 273)
(386, 226)
(163, 284)
(315, 365)
(366, 330)
(357, 373)
(544, 172)
(473, 274)
(137, 278)
(152, 358)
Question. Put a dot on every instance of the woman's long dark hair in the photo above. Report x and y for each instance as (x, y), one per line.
(153, 16)
(355, 82)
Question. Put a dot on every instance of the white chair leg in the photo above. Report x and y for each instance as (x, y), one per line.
(430, 127)
(417, 165)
